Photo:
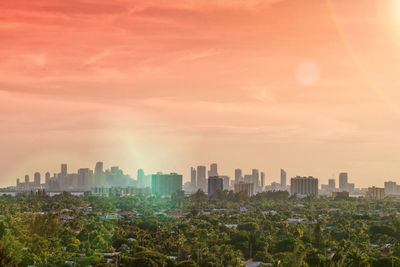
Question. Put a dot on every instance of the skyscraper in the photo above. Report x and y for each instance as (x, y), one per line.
(215, 183)
(193, 178)
(304, 186)
(343, 180)
(36, 179)
(47, 179)
(238, 175)
(213, 170)
(283, 178)
(85, 178)
(201, 178)
(166, 184)
(99, 174)
(332, 184)
(244, 187)
(256, 177)
(262, 181)
(27, 185)
(226, 181)
(64, 170)
(140, 178)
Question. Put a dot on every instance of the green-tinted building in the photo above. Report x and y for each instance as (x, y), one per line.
(166, 184)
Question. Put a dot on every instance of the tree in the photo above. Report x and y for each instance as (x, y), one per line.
(251, 228)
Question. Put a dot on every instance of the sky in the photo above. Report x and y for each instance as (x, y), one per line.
(310, 86)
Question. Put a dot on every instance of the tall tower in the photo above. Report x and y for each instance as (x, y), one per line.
(256, 178)
(99, 174)
(47, 179)
(64, 170)
(201, 178)
(140, 177)
(27, 185)
(331, 184)
(343, 180)
(215, 184)
(283, 178)
(262, 181)
(213, 170)
(36, 179)
(193, 181)
(238, 175)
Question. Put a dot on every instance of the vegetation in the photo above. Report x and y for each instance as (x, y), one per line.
(225, 230)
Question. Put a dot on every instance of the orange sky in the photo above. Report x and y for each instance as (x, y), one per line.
(311, 86)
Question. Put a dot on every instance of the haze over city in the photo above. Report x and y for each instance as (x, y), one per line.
(309, 86)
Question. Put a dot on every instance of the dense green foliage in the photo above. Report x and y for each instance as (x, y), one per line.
(225, 230)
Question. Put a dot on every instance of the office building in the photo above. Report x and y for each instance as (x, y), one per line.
(64, 169)
(213, 170)
(375, 193)
(244, 187)
(238, 175)
(85, 179)
(256, 178)
(304, 186)
(140, 179)
(99, 174)
(201, 178)
(343, 180)
(36, 179)
(283, 178)
(214, 184)
(332, 184)
(26, 185)
(392, 188)
(166, 184)
(226, 181)
(193, 180)
(262, 181)
(47, 179)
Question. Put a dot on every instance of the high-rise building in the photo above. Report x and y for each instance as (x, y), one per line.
(36, 179)
(18, 183)
(304, 186)
(64, 169)
(244, 187)
(27, 185)
(213, 170)
(201, 178)
(85, 178)
(392, 188)
(226, 181)
(238, 175)
(47, 179)
(215, 183)
(375, 193)
(99, 174)
(343, 181)
(166, 184)
(332, 184)
(193, 181)
(283, 178)
(140, 178)
(262, 181)
(256, 177)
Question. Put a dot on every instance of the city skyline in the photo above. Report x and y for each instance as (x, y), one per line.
(307, 85)
(341, 178)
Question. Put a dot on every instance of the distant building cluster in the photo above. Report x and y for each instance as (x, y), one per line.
(254, 182)
(83, 180)
(114, 181)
